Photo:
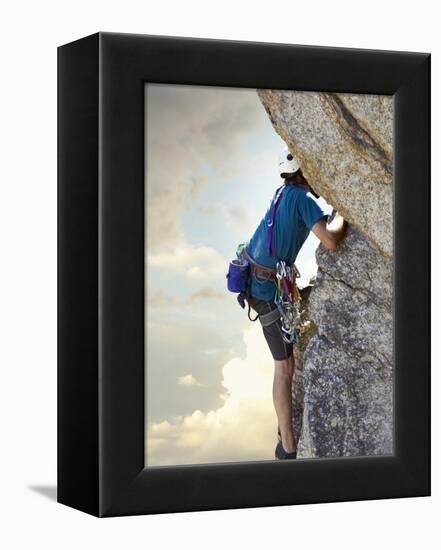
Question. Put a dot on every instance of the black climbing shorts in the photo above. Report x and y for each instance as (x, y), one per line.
(280, 350)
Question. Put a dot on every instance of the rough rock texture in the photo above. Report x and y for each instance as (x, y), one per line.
(342, 392)
(344, 146)
(347, 374)
(298, 389)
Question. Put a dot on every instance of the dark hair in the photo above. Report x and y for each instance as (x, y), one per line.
(295, 178)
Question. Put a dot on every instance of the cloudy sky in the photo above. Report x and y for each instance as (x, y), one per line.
(211, 171)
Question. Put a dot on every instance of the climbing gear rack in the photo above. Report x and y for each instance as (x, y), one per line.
(287, 300)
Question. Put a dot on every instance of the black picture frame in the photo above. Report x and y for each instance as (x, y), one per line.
(101, 274)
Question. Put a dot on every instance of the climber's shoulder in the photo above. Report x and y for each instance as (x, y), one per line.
(308, 209)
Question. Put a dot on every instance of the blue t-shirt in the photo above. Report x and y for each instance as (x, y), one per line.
(296, 213)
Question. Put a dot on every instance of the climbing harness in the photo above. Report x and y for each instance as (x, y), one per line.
(287, 297)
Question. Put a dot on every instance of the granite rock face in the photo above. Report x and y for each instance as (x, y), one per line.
(347, 373)
(343, 144)
(343, 388)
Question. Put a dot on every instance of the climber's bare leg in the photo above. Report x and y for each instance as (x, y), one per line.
(282, 397)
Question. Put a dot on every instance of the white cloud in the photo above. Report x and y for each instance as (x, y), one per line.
(207, 293)
(188, 380)
(159, 299)
(235, 217)
(193, 135)
(242, 429)
(198, 263)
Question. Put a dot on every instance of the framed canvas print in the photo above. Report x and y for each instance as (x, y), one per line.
(244, 260)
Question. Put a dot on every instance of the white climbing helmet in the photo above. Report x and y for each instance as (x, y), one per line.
(287, 163)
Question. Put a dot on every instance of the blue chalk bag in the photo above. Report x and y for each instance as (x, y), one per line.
(238, 275)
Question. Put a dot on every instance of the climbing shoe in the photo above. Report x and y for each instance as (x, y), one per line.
(281, 454)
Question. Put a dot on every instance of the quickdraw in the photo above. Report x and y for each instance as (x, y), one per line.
(287, 300)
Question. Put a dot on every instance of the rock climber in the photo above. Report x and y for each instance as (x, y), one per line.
(287, 225)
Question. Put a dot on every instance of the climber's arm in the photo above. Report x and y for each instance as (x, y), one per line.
(330, 234)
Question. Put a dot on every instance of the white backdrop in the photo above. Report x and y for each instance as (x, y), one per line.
(30, 33)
